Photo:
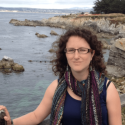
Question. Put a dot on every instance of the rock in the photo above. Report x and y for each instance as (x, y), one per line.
(1, 65)
(63, 27)
(105, 44)
(120, 43)
(5, 58)
(112, 41)
(119, 36)
(123, 82)
(29, 60)
(115, 71)
(36, 33)
(121, 87)
(13, 21)
(41, 35)
(104, 35)
(18, 68)
(93, 25)
(26, 23)
(7, 68)
(122, 98)
(53, 33)
(51, 51)
(116, 60)
(112, 78)
(7, 65)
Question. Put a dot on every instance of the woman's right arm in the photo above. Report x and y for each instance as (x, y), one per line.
(42, 111)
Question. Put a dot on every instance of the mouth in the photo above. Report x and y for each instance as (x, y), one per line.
(76, 62)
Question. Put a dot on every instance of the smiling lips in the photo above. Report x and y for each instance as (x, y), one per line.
(76, 62)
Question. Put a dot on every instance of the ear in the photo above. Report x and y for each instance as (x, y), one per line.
(93, 53)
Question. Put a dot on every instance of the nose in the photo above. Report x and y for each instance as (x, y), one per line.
(76, 54)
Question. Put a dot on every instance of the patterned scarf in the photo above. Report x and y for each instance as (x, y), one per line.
(90, 105)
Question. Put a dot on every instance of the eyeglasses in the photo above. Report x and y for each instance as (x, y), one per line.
(80, 50)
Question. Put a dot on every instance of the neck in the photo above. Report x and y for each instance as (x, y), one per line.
(83, 75)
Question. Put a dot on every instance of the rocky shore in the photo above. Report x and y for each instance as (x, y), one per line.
(103, 24)
(105, 27)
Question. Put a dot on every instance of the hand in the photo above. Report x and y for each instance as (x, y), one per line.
(7, 117)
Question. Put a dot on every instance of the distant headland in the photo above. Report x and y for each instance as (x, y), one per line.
(37, 10)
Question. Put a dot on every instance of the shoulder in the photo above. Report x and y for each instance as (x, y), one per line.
(111, 91)
(54, 84)
(51, 88)
(113, 105)
(112, 99)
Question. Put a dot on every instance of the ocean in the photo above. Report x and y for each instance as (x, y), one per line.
(22, 92)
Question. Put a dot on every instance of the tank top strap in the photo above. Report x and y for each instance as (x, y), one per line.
(108, 84)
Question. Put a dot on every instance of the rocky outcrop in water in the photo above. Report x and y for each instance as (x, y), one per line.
(40, 35)
(116, 60)
(53, 33)
(7, 65)
(26, 23)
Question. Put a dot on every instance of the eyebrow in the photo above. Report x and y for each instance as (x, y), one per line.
(80, 47)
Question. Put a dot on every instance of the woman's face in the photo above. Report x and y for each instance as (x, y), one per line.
(78, 62)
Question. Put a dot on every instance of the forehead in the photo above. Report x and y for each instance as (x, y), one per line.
(77, 42)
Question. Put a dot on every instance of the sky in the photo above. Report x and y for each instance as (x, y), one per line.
(48, 4)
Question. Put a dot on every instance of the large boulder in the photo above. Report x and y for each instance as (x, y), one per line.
(116, 61)
(7, 65)
(7, 68)
(18, 68)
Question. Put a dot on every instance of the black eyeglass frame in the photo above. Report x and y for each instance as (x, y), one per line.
(89, 50)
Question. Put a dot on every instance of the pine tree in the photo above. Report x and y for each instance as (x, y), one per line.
(109, 6)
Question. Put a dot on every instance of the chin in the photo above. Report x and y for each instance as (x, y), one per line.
(79, 69)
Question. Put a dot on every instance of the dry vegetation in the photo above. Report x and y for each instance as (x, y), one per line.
(115, 18)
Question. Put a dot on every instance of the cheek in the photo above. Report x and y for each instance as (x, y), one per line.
(69, 57)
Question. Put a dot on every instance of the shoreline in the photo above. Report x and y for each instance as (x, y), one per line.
(31, 12)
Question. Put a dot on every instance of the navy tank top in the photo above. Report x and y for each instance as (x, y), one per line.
(72, 110)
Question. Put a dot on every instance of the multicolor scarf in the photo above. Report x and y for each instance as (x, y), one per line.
(90, 105)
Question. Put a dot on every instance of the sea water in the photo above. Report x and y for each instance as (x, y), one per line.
(22, 92)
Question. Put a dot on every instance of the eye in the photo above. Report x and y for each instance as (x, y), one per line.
(70, 50)
(82, 49)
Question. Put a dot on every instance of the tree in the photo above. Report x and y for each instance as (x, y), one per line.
(109, 6)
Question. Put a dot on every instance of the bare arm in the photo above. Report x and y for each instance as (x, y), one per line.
(113, 105)
(42, 111)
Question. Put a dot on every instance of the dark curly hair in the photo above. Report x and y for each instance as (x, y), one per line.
(60, 62)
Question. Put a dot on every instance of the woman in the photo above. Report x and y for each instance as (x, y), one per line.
(82, 95)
